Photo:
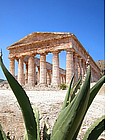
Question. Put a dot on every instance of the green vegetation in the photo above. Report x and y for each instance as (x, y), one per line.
(63, 86)
(77, 101)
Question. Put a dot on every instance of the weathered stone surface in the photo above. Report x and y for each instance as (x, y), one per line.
(55, 70)
(43, 76)
(31, 72)
(69, 66)
(12, 66)
(20, 71)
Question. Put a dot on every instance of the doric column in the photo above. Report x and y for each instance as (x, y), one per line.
(31, 71)
(92, 75)
(55, 69)
(80, 67)
(35, 73)
(63, 79)
(38, 74)
(84, 67)
(75, 67)
(69, 66)
(43, 76)
(60, 81)
(26, 73)
(12, 66)
(20, 71)
(48, 77)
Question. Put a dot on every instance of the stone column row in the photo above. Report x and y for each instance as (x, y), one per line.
(79, 67)
(29, 73)
(30, 70)
(29, 76)
(74, 65)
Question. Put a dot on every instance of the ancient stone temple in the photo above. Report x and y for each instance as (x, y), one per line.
(34, 71)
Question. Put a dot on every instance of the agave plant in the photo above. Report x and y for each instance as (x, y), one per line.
(77, 101)
(2, 134)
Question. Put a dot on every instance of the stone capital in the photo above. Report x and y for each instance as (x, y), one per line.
(70, 50)
(32, 54)
(55, 52)
(75, 55)
(42, 51)
(43, 54)
(21, 57)
(12, 57)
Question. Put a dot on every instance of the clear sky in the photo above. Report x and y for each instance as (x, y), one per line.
(84, 18)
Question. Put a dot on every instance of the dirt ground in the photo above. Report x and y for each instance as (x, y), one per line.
(49, 104)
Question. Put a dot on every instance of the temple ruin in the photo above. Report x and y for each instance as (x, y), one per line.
(37, 71)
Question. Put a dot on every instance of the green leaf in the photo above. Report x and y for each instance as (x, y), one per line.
(36, 113)
(75, 89)
(24, 103)
(66, 101)
(95, 130)
(95, 89)
(46, 131)
(93, 92)
(71, 116)
(2, 134)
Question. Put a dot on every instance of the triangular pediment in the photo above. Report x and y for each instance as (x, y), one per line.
(41, 36)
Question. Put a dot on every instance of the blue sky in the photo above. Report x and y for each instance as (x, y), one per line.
(84, 18)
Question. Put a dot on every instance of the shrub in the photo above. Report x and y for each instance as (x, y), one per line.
(63, 86)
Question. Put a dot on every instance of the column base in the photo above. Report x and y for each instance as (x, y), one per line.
(30, 85)
(54, 85)
(42, 85)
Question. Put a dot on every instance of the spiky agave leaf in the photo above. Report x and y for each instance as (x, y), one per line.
(71, 116)
(95, 89)
(46, 131)
(36, 114)
(93, 92)
(2, 134)
(71, 93)
(66, 101)
(95, 130)
(75, 89)
(23, 100)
